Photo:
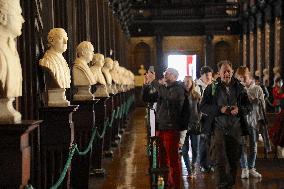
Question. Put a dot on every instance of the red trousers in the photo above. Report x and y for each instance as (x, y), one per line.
(169, 156)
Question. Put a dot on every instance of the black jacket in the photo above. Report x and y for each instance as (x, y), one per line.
(211, 109)
(169, 104)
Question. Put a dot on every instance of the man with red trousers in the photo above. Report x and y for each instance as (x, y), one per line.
(170, 99)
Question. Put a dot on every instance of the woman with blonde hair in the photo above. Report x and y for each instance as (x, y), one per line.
(193, 99)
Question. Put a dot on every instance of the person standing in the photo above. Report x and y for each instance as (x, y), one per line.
(254, 119)
(201, 84)
(226, 103)
(193, 100)
(170, 98)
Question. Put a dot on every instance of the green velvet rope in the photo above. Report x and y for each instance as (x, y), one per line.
(66, 166)
(118, 113)
(90, 145)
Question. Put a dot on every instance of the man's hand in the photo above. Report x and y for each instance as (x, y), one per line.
(224, 109)
(234, 110)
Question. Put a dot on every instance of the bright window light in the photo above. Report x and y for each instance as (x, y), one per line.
(185, 64)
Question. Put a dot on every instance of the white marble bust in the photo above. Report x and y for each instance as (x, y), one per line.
(108, 65)
(96, 68)
(142, 70)
(123, 78)
(115, 76)
(11, 21)
(56, 69)
(82, 74)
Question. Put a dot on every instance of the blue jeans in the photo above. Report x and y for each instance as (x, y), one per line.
(204, 150)
(195, 149)
(248, 159)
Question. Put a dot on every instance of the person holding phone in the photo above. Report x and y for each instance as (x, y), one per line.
(226, 103)
(170, 98)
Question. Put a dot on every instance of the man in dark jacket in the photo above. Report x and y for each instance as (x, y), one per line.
(170, 99)
(225, 102)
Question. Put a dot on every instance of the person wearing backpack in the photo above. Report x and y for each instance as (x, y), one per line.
(226, 103)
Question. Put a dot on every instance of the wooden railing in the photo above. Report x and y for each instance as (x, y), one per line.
(230, 10)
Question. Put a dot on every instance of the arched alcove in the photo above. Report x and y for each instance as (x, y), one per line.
(142, 56)
(223, 51)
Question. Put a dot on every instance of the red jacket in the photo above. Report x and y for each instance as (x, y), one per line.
(278, 94)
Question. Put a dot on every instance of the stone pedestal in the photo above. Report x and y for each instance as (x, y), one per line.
(84, 120)
(110, 89)
(8, 114)
(57, 135)
(19, 153)
(83, 93)
(57, 98)
(101, 91)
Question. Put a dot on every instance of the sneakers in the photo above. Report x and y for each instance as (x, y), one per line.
(207, 169)
(245, 174)
(254, 173)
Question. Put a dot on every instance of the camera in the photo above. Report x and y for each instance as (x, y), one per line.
(229, 109)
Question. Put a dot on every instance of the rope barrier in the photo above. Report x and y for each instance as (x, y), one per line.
(116, 114)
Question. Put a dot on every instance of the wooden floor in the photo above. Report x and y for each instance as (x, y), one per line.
(129, 167)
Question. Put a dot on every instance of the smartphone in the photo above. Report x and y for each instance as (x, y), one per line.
(151, 69)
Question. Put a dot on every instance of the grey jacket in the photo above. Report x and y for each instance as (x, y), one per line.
(169, 104)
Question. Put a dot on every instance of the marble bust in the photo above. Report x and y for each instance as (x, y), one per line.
(265, 77)
(11, 21)
(142, 70)
(276, 72)
(108, 66)
(56, 69)
(96, 68)
(82, 74)
(115, 75)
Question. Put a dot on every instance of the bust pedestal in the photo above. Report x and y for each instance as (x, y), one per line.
(84, 120)
(57, 98)
(114, 88)
(97, 154)
(108, 135)
(57, 134)
(101, 91)
(8, 114)
(19, 153)
(110, 89)
(83, 93)
(116, 123)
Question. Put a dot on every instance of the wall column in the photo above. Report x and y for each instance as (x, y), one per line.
(160, 55)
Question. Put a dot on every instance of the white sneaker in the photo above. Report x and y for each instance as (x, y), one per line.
(245, 174)
(254, 173)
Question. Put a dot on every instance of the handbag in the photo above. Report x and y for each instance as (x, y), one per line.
(194, 128)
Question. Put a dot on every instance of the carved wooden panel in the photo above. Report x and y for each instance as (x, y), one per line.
(107, 28)
(94, 24)
(267, 52)
(277, 41)
(30, 46)
(244, 49)
(102, 43)
(258, 49)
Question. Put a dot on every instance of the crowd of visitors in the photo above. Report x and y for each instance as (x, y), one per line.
(217, 118)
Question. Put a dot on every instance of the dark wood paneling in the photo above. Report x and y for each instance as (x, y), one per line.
(94, 24)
